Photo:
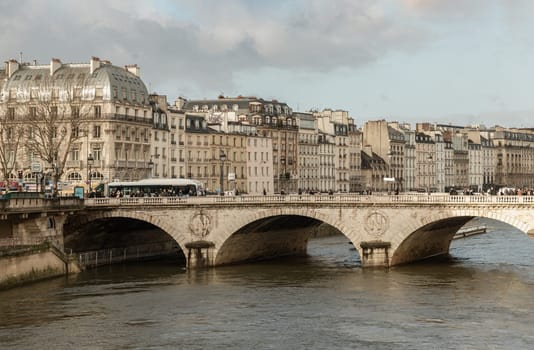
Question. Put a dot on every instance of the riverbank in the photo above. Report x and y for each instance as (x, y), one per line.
(24, 264)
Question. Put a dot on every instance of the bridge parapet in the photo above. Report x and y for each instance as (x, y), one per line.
(40, 204)
(344, 198)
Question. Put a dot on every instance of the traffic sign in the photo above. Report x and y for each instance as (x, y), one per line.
(36, 167)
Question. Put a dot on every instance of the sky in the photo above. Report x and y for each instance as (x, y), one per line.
(447, 61)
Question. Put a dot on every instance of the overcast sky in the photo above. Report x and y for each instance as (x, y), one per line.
(450, 61)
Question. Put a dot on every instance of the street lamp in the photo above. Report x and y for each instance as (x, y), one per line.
(90, 161)
(390, 171)
(430, 175)
(56, 173)
(283, 162)
(222, 158)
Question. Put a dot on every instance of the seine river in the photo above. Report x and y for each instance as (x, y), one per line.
(481, 298)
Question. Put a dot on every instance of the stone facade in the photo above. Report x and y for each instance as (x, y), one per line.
(92, 110)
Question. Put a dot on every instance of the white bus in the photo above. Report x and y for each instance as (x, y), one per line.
(155, 188)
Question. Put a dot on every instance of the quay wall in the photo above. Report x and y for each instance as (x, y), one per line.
(32, 265)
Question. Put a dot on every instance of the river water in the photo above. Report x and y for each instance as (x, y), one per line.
(481, 298)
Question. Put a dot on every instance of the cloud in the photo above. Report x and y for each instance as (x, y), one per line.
(212, 41)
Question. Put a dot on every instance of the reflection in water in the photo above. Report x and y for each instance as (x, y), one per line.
(480, 298)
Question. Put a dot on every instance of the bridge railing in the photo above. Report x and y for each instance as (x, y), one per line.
(336, 198)
(117, 255)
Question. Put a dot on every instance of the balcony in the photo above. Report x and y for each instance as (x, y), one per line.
(73, 164)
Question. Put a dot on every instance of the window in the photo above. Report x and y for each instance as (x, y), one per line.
(97, 154)
(96, 131)
(75, 154)
(98, 111)
(74, 177)
(11, 113)
(75, 111)
(75, 132)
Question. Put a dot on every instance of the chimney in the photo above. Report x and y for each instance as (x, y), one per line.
(11, 67)
(55, 64)
(133, 68)
(94, 64)
(180, 102)
(368, 150)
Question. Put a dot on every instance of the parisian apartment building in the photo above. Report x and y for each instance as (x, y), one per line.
(94, 122)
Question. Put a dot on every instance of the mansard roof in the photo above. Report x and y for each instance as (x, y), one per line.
(395, 134)
(241, 102)
(116, 83)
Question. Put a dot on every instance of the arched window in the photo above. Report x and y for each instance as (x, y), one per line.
(97, 175)
(29, 176)
(74, 177)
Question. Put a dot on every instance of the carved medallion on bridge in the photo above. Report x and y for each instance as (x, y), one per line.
(200, 225)
(376, 223)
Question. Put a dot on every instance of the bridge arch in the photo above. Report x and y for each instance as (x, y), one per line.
(433, 233)
(159, 222)
(275, 232)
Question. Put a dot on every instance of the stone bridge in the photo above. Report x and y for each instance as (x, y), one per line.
(385, 230)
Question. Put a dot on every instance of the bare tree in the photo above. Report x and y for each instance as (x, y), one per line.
(11, 133)
(55, 120)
